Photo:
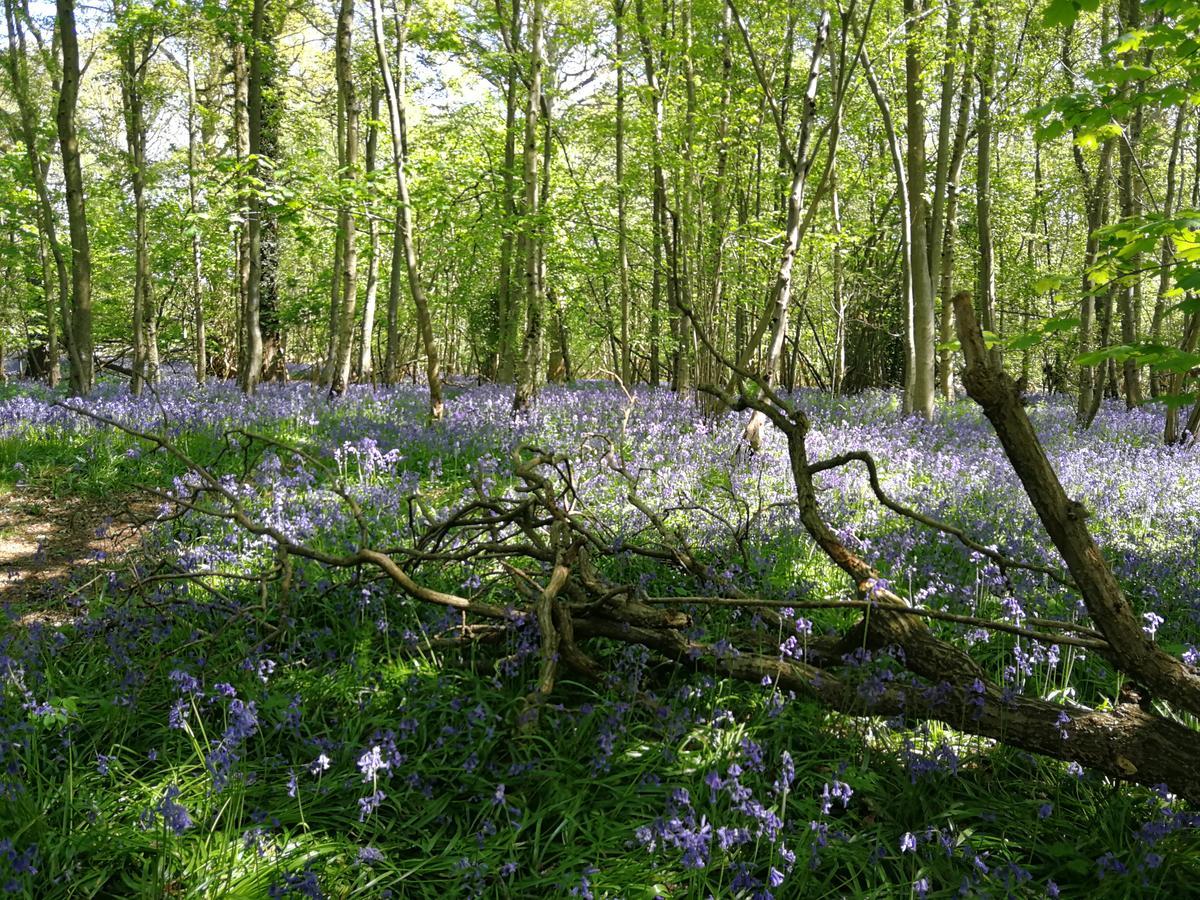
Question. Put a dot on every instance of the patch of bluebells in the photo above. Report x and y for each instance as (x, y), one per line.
(746, 817)
(746, 814)
(173, 815)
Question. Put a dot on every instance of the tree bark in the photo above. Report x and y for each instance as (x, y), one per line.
(195, 204)
(720, 204)
(82, 367)
(1164, 275)
(396, 114)
(986, 290)
(1130, 291)
(626, 370)
(348, 274)
(39, 164)
(509, 303)
(922, 381)
(531, 229)
(372, 292)
(266, 25)
(1065, 520)
(801, 164)
(949, 233)
(241, 136)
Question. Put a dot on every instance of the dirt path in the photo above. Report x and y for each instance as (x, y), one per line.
(45, 540)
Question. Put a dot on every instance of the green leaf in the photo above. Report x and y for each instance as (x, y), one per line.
(1061, 323)
(1189, 306)
(1129, 41)
(1176, 401)
(1027, 340)
(1119, 353)
(1048, 283)
(1060, 12)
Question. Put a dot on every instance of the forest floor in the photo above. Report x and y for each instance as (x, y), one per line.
(46, 539)
(263, 727)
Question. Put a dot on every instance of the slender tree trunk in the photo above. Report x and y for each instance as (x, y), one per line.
(335, 283)
(801, 163)
(54, 267)
(131, 107)
(509, 302)
(335, 294)
(1171, 434)
(949, 232)
(556, 370)
(1164, 275)
(665, 258)
(719, 202)
(626, 370)
(941, 176)
(531, 231)
(195, 204)
(906, 228)
(391, 363)
(1096, 198)
(395, 284)
(265, 94)
(656, 282)
(241, 127)
(1129, 297)
(686, 215)
(986, 291)
(396, 114)
(135, 53)
(348, 276)
(1095, 191)
(1109, 373)
(82, 368)
(919, 273)
(259, 81)
(368, 324)
(837, 372)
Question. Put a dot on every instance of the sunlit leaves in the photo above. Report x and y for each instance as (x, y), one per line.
(1158, 357)
(1065, 12)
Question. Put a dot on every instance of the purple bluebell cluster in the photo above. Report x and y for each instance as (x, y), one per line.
(334, 709)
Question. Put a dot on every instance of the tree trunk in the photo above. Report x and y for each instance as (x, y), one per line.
(368, 324)
(396, 114)
(137, 47)
(1065, 520)
(906, 228)
(241, 127)
(719, 202)
(801, 163)
(1164, 275)
(950, 229)
(837, 371)
(626, 371)
(264, 146)
(82, 369)
(665, 260)
(194, 206)
(1191, 332)
(941, 176)
(1130, 295)
(986, 291)
(531, 231)
(391, 362)
(50, 248)
(348, 276)
(509, 303)
(919, 274)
